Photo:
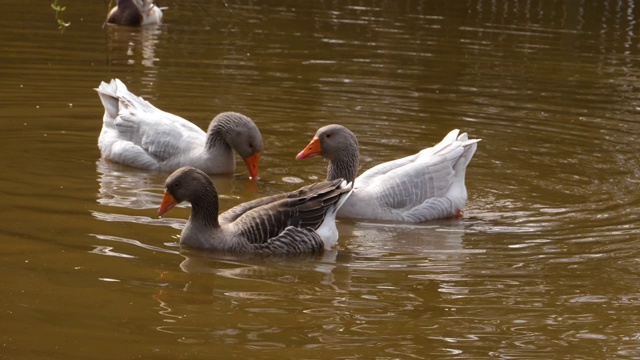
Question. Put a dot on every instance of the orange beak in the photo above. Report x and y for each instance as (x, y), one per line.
(314, 148)
(168, 202)
(252, 164)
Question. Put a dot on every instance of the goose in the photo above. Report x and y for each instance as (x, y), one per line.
(295, 222)
(137, 134)
(135, 13)
(425, 186)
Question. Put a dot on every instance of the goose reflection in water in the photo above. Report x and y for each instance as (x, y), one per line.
(132, 46)
(241, 285)
(128, 188)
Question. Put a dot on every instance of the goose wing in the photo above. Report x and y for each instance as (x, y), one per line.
(377, 172)
(292, 240)
(407, 187)
(419, 187)
(303, 209)
(235, 212)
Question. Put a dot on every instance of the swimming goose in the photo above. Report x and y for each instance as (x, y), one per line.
(424, 186)
(295, 222)
(138, 134)
(135, 13)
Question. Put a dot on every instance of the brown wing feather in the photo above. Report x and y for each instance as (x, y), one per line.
(235, 212)
(291, 241)
(262, 223)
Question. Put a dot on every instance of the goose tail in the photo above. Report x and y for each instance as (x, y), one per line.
(110, 94)
(115, 95)
(152, 13)
(458, 189)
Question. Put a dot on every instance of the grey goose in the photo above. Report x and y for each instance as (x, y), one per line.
(294, 222)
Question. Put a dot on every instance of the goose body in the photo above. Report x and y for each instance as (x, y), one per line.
(135, 13)
(295, 222)
(137, 134)
(424, 186)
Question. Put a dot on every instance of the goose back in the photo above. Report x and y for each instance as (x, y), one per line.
(134, 13)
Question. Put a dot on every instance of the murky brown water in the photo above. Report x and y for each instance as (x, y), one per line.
(544, 264)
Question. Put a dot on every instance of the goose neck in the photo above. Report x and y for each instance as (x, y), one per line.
(204, 209)
(345, 167)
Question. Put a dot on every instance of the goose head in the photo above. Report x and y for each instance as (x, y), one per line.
(339, 145)
(241, 134)
(194, 186)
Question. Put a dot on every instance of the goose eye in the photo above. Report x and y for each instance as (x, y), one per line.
(176, 185)
(328, 136)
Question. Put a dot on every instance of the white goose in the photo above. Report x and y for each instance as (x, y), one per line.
(138, 134)
(135, 13)
(424, 186)
(296, 222)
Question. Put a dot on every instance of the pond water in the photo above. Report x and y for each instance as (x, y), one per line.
(544, 263)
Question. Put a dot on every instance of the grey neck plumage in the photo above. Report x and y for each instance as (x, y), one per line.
(345, 165)
(217, 134)
(204, 208)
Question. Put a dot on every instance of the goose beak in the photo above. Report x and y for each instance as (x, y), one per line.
(168, 202)
(252, 164)
(314, 148)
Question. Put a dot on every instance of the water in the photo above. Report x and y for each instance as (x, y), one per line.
(543, 265)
